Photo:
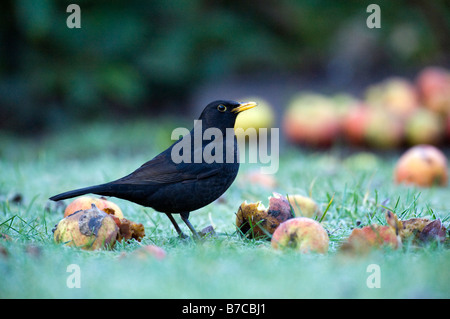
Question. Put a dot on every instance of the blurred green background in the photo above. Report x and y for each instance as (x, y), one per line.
(147, 58)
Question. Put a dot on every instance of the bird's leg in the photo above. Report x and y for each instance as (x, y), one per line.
(184, 217)
(177, 228)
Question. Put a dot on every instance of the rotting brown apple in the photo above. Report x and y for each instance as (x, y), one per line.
(417, 230)
(254, 220)
(89, 229)
(85, 202)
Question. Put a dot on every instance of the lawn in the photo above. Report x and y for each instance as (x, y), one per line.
(226, 266)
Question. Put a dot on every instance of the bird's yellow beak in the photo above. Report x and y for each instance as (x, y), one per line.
(244, 106)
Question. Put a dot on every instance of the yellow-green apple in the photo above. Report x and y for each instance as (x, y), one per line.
(304, 206)
(424, 127)
(383, 129)
(396, 95)
(301, 234)
(262, 116)
(89, 229)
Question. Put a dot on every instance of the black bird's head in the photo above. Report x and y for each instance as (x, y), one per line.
(222, 114)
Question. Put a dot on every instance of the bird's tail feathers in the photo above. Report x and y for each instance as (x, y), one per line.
(98, 189)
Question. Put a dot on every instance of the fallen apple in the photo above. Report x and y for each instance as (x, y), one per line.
(434, 88)
(258, 178)
(363, 161)
(304, 206)
(260, 117)
(85, 202)
(301, 234)
(313, 120)
(354, 124)
(417, 230)
(149, 251)
(363, 240)
(424, 127)
(396, 95)
(129, 229)
(89, 229)
(422, 165)
(383, 130)
(254, 220)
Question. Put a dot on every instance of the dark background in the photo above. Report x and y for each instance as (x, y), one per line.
(148, 58)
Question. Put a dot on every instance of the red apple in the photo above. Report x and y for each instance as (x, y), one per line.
(434, 88)
(85, 202)
(302, 234)
(355, 122)
(422, 165)
(313, 120)
(362, 240)
(149, 251)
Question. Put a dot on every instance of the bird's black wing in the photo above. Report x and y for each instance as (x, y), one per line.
(162, 170)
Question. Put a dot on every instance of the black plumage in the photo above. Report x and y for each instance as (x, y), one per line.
(173, 187)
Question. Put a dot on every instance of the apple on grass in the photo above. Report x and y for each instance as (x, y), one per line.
(363, 240)
(304, 206)
(422, 165)
(89, 229)
(434, 89)
(395, 95)
(383, 129)
(313, 120)
(147, 252)
(424, 127)
(301, 234)
(354, 124)
(417, 230)
(263, 116)
(254, 220)
(127, 229)
(85, 202)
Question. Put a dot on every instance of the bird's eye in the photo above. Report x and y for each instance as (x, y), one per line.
(222, 108)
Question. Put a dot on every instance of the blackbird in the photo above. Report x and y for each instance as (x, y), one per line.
(184, 177)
